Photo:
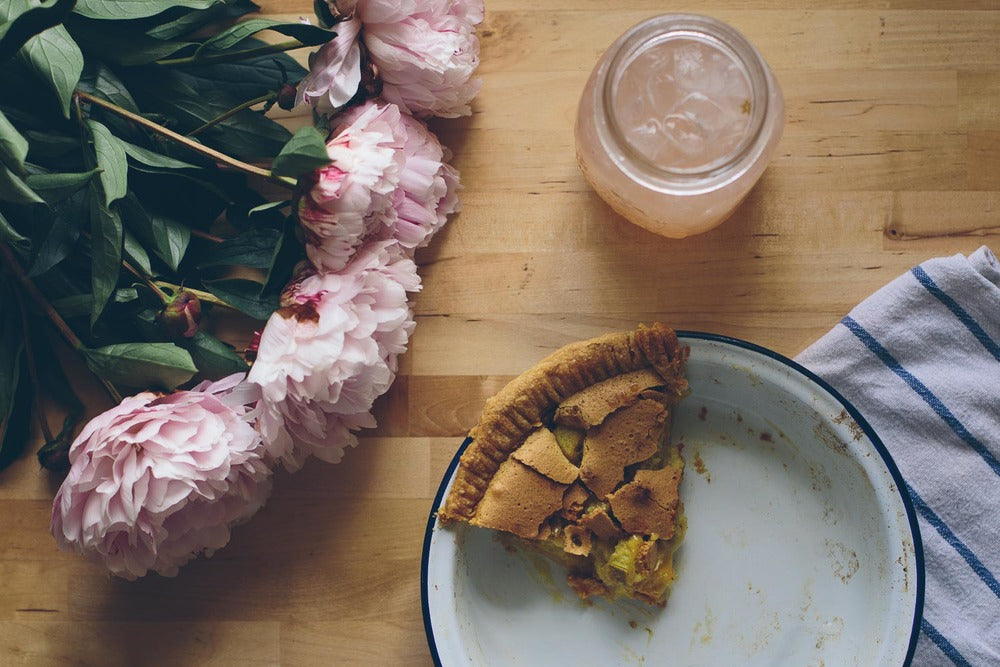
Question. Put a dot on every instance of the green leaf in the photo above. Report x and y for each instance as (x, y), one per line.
(167, 237)
(15, 386)
(111, 159)
(154, 159)
(193, 20)
(134, 9)
(13, 146)
(10, 235)
(136, 254)
(23, 22)
(68, 279)
(43, 146)
(214, 358)
(247, 134)
(244, 295)
(52, 378)
(58, 244)
(55, 188)
(14, 429)
(53, 383)
(244, 79)
(56, 59)
(19, 117)
(174, 195)
(106, 240)
(305, 152)
(15, 190)
(287, 253)
(322, 11)
(123, 44)
(98, 79)
(126, 294)
(252, 249)
(74, 305)
(269, 206)
(57, 229)
(79, 305)
(309, 35)
(162, 365)
(187, 193)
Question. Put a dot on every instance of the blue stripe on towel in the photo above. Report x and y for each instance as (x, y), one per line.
(921, 389)
(942, 643)
(951, 538)
(957, 310)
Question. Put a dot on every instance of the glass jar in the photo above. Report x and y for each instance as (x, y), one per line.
(678, 121)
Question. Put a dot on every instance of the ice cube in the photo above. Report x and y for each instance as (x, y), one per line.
(642, 132)
(705, 113)
(685, 134)
(661, 90)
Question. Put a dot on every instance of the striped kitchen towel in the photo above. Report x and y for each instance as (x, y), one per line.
(920, 359)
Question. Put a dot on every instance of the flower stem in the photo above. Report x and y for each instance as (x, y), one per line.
(208, 237)
(184, 141)
(231, 56)
(164, 297)
(43, 422)
(232, 112)
(205, 297)
(158, 285)
(39, 299)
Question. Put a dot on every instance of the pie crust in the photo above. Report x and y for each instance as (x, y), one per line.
(573, 457)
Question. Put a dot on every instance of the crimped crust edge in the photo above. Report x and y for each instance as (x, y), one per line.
(528, 399)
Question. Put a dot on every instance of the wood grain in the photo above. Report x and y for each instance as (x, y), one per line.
(891, 155)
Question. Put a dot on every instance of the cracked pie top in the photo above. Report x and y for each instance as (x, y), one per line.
(573, 457)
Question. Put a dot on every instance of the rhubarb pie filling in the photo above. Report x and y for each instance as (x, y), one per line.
(574, 458)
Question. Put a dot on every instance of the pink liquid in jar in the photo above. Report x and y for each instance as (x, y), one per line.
(678, 121)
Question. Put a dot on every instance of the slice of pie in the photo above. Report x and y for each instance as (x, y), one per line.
(574, 458)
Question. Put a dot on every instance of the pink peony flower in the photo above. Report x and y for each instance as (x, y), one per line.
(352, 197)
(428, 185)
(426, 192)
(382, 185)
(330, 351)
(426, 52)
(334, 70)
(157, 480)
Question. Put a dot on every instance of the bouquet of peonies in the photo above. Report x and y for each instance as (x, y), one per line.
(150, 139)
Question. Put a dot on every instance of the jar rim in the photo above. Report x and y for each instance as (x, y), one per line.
(654, 31)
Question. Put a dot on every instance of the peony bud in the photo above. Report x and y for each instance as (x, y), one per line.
(286, 96)
(250, 353)
(341, 9)
(181, 315)
(54, 455)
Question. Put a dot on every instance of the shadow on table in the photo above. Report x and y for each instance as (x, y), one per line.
(311, 570)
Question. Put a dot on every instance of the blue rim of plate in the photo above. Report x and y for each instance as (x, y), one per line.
(901, 489)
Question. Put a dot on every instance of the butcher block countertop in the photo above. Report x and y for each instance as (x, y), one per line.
(890, 156)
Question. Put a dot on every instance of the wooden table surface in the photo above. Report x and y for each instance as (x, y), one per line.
(891, 155)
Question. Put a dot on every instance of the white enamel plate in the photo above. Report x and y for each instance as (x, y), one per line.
(802, 545)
